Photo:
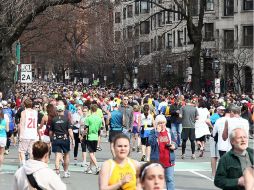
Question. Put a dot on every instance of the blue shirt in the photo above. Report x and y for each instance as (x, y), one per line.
(3, 128)
(214, 118)
(10, 114)
(116, 121)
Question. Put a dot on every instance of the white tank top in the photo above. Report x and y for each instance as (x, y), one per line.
(30, 125)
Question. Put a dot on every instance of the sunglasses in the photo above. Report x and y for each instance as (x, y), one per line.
(37, 107)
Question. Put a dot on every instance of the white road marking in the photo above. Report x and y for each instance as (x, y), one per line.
(201, 175)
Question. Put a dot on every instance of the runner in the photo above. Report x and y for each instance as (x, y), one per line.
(27, 130)
(122, 169)
(4, 128)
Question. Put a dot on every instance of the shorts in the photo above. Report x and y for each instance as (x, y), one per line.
(26, 145)
(112, 135)
(135, 130)
(144, 141)
(83, 145)
(203, 138)
(61, 145)
(91, 146)
(3, 141)
(214, 148)
(188, 133)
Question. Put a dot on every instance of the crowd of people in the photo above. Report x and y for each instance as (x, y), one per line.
(41, 118)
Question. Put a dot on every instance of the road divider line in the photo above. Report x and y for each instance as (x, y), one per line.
(201, 175)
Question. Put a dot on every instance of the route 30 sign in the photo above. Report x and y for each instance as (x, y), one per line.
(26, 67)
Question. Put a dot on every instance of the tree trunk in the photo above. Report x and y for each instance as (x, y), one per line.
(7, 69)
(196, 73)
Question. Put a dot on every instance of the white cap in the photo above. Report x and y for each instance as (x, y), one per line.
(221, 108)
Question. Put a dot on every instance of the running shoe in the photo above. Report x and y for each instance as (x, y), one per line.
(99, 148)
(97, 170)
(193, 157)
(183, 156)
(75, 162)
(143, 158)
(6, 152)
(88, 171)
(84, 164)
(138, 149)
(66, 175)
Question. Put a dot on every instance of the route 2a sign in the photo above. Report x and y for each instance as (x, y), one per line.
(26, 77)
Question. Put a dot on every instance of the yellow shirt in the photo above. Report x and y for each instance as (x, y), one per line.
(117, 172)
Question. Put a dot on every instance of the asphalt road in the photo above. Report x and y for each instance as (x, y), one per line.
(189, 174)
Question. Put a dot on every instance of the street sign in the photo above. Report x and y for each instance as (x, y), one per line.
(86, 80)
(26, 77)
(26, 67)
(26, 73)
(217, 86)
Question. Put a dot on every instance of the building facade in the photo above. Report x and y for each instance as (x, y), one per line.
(158, 39)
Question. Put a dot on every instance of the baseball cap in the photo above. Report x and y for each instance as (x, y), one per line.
(4, 103)
(60, 108)
(221, 108)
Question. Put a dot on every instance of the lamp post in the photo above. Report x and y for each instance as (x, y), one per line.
(216, 68)
(135, 81)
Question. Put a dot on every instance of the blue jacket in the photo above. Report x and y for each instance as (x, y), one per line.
(153, 141)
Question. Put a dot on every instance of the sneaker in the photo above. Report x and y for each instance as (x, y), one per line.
(183, 156)
(97, 170)
(89, 171)
(75, 162)
(193, 157)
(143, 158)
(133, 149)
(66, 175)
(6, 152)
(99, 148)
(201, 153)
(84, 164)
(138, 149)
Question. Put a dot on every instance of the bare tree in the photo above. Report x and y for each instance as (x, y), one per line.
(239, 58)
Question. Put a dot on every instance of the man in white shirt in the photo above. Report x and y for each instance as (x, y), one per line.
(218, 131)
(28, 130)
(235, 121)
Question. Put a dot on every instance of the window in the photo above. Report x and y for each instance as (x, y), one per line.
(117, 17)
(144, 7)
(129, 11)
(180, 38)
(248, 35)
(154, 21)
(124, 34)
(117, 36)
(124, 13)
(137, 8)
(151, 45)
(32, 59)
(194, 7)
(136, 30)
(169, 17)
(159, 43)
(144, 48)
(161, 19)
(136, 54)
(174, 42)
(209, 5)
(144, 27)
(169, 40)
(154, 44)
(185, 36)
(228, 39)
(130, 52)
(209, 32)
(248, 5)
(228, 7)
(129, 32)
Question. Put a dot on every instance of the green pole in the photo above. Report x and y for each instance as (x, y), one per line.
(18, 47)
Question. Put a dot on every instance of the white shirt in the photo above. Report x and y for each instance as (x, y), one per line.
(219, 127)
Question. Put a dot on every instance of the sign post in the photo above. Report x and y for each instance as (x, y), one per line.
(26, 73)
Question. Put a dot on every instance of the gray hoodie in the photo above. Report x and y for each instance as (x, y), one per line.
(44, 176)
